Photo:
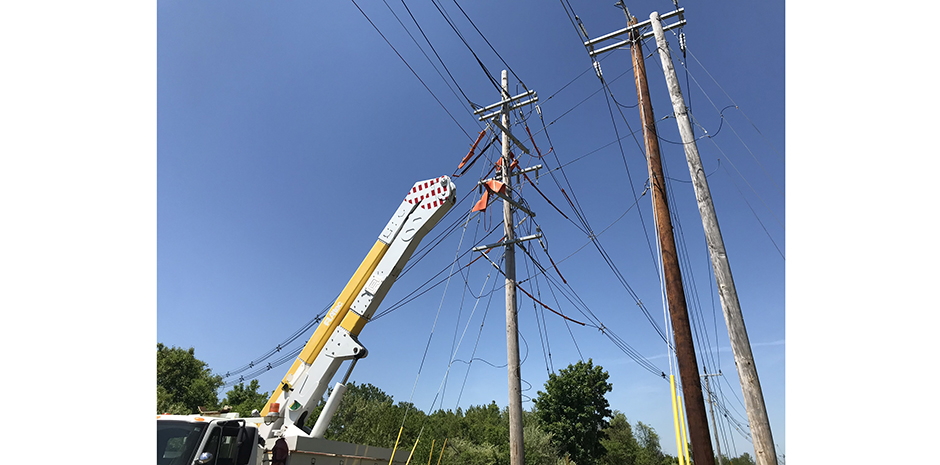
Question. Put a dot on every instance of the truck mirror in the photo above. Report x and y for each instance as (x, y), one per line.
(204, 457)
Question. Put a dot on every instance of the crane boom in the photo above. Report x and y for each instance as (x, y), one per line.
(336, 338)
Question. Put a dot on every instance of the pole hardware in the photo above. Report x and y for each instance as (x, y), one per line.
(503, 102)
(517, 173)
(509, 242)
(636, 27)
(518, 105)
(506, 132)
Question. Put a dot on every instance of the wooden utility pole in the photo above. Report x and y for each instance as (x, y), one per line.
(516, 451)
(506, 105)
(740, 345)
(711, 410)
(675, 294)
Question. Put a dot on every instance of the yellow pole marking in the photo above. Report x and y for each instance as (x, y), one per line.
(396, 445)
(412, 451)
(675, 418)
(442, 451)
(685, 442)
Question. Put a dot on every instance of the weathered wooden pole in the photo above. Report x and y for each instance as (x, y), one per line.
(740, 345)
(702, 453)
(516, 450)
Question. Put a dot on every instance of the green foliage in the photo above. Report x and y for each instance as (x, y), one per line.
(669, 460)
(245, 399)
(744, 459)
(538, 446)
(368, 416)
(622, 447)
(487, 424)
(467, 452)
(649, 451)
(574, 409)
(184, 383)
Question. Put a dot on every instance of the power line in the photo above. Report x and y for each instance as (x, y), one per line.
(411, 69)
(460, 36)
(415, 21)
(518, 79)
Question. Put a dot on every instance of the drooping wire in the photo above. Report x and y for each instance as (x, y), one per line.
(280, 347)
(684, 65)
(732, 101)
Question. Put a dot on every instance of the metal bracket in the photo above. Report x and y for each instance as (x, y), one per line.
(506, 131)
(519, 239)
(344, 345)
(516, 174)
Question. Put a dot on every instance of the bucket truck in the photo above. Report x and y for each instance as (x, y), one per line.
(225, 439)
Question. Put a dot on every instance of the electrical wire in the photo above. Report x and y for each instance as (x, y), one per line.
(411, 69)
(434, 50)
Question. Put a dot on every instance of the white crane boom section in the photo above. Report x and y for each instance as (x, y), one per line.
(336, 338)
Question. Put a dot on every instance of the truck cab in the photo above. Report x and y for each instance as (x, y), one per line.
(205, 440)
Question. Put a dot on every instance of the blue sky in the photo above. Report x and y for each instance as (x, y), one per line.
(288, 132)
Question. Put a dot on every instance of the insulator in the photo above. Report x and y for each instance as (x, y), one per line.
(682, 41)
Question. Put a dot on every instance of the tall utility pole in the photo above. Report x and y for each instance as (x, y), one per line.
(743, 359)
(675, 294)
(506, 105)
(711, 410)
(516, 451)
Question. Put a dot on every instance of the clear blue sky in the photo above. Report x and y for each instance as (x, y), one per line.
(288, 133)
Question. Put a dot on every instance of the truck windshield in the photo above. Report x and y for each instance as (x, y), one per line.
(177, 440)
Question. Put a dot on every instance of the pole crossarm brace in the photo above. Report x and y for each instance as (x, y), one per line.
(506, 131)
(591, 43)
(521, 239)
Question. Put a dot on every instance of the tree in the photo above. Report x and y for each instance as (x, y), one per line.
(622, 447)
(470, 453)
(649, 452)
(366, 415)
(573, 409)
(744, 459)
(487, 424)
(539, 449)
(245, 399)
(184, 383)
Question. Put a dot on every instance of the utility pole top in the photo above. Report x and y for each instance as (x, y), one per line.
(590, 44)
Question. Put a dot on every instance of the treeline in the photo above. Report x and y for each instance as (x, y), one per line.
(478, 435)
(561, 428)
